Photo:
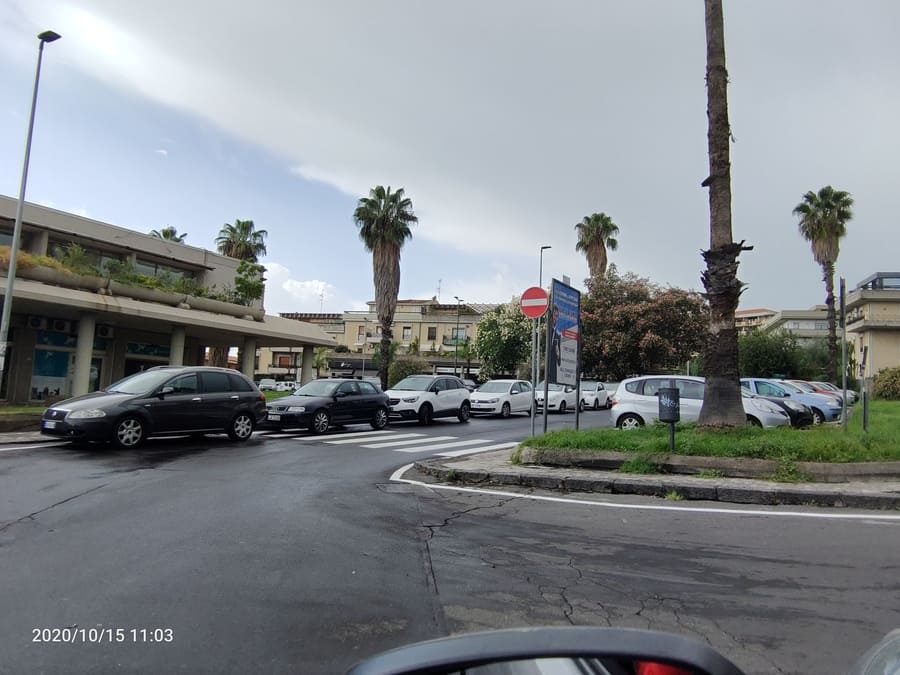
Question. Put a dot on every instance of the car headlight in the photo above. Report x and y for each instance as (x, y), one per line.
(794, 405)
(88, 414)
(410, 399)
(296, 408)
(491, 400)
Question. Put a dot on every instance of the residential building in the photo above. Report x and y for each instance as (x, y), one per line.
(873, 322)
(807, 325)
(746, 320)
(75, 333)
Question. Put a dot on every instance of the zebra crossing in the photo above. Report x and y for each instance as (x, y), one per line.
(408, 442)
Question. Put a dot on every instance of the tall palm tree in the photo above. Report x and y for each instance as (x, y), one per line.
(596, 234)
(384, 220)
(823, 221)
(722, 404)
(169, 233)
(242, 240)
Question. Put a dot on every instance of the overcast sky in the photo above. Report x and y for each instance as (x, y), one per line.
(506, 122)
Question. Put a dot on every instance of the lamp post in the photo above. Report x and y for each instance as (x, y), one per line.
(365, 344)
(536, 339)
(46, 36)
(541, 268)
(456, 338)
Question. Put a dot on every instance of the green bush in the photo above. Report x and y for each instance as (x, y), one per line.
(887, 384)
(404, 366)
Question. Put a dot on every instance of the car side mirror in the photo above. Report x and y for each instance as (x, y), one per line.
(166, 390)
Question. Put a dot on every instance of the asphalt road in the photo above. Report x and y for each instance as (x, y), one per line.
(293, 553)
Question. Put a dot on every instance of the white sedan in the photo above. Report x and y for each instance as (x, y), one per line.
(560, 397)
(502, 397)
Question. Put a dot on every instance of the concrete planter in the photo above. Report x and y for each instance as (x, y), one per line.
(147, 294)
(220, 307)
(55, 277)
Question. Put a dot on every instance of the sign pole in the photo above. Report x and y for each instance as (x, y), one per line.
(534, 353)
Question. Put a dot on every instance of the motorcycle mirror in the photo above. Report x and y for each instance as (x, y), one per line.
(557, 651)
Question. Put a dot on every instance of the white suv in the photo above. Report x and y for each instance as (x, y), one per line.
(424, 397)
(636, 402)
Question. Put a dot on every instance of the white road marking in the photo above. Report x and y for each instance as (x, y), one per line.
(472, 451)
(52, 444)
(398, 477)
(441, 446)
(393, 437)
(388, 444)
(352, 434)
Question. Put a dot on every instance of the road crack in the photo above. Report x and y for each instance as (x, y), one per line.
(31, 516)
(458, 514)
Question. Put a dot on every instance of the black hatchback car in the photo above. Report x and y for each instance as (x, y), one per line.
(320, 404)
(164, 400)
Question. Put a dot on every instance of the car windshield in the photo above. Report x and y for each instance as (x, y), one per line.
(551, 387)
(414, 383)
(141, 383)
(317, 388)
(804, 386)
(794, 389)
(494, 387)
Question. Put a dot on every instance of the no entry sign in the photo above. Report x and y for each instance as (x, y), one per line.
(534, 302)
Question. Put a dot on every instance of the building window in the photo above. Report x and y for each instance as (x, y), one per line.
(282, 361)
(361, 334)
(821, 325)
(432, 332)
(793, 324)
(407, 333)
(459, 333)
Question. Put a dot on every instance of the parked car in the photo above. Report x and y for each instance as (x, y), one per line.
(799, 414)
(165, 400)
(323, 403)
(471, 385)
(636, 402)
(852, 396)
(809, 388)
(502, 397)
(425, 397)
(560, 397)
(595, 395)
(267, 385)
(285, 386)
(824, 408)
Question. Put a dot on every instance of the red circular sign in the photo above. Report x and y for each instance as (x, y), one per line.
(534, 302)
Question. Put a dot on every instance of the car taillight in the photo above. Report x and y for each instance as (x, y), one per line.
(262, 397)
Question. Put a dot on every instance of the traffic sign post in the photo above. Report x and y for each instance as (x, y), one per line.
(534, 304)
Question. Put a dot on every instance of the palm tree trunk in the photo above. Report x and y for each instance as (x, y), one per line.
(722, 405)
(386, 263)
(602, 262)
(828, 278)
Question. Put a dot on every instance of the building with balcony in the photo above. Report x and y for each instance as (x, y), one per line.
(72, 333)
(807, 325)
(873, 322)
(746, 320)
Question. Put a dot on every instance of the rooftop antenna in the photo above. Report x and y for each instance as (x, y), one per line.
(439, 290)
(322, 301)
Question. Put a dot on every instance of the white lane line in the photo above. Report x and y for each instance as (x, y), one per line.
(35, 447)
(388, 444)
(398, 477)
(441, 446)
(472, 451)
(392, 437)
(353, 434)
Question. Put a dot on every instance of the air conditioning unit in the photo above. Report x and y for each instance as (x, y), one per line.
(37, 322)
(104, 331)
(61, 325)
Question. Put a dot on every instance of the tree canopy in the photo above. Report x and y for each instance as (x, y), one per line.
(169, 233)
(504, 340)
(242, 240)
(596, 234)
(632, 326)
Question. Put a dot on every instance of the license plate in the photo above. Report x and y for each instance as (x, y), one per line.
(274, 418)
(49, 424)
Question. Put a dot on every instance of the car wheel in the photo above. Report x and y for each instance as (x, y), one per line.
(380, 419)
(818, 417)
(505, 410)
(320, 422)
(562, 407)
(465, 412)
(128, 433)
(241, 427)
(596, 404)
(753, 421)
(629, 421)
(581, 406)
(425, 414)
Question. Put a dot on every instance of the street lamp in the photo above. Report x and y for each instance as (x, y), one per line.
(541, 268)
(46, 36)
(365, 344)
(456, 341)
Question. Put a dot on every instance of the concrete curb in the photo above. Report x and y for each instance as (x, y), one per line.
(819, 472)
(732, 490)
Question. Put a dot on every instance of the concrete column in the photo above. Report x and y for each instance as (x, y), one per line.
(306, 365)
(39, 243)
(248, 356)
(176, 346)
(83, 353)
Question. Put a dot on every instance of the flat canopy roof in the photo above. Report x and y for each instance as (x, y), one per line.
(32, 297)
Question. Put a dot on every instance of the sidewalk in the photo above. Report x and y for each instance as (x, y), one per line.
(493, 468)
(9, 437)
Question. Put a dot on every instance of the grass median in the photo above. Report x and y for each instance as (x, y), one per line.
(825, 443)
